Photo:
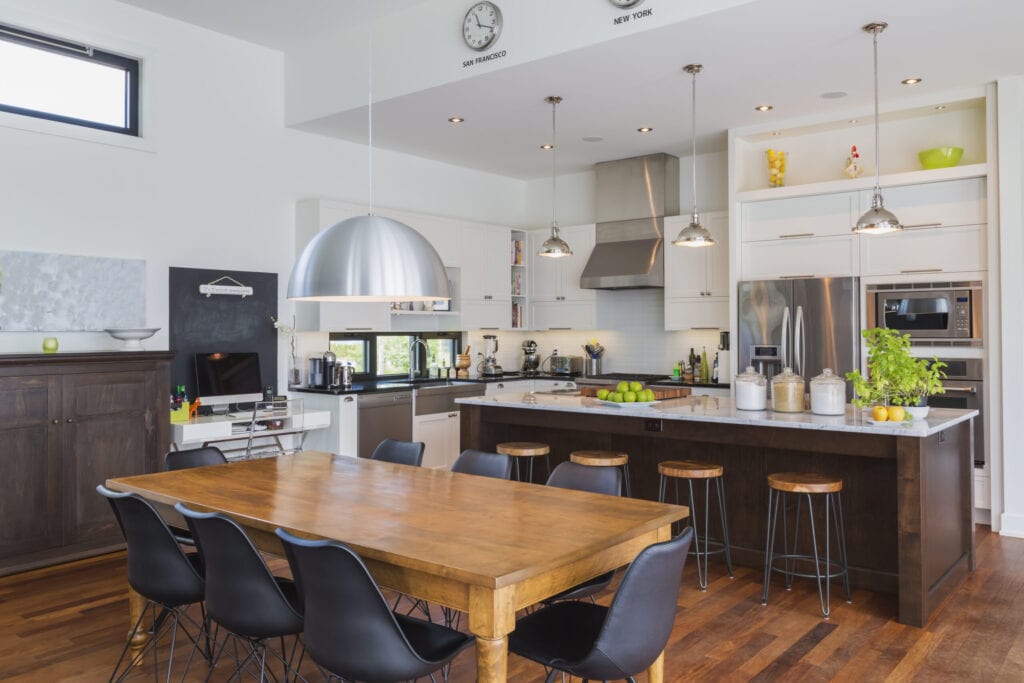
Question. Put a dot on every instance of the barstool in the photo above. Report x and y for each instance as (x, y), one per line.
(690, 470)
(806, 485)
(605, 459)
(525, 449)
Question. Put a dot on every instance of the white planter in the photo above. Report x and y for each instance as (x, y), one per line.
(917, 412)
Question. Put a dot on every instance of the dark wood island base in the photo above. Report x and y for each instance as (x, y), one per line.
(907, 500)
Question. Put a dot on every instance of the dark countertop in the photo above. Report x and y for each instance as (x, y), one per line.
(374, 386)
(681, 383)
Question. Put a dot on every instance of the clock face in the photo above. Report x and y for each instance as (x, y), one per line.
(482, 25)
(625, 4)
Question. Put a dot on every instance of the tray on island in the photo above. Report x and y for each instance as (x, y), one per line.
(659, 392)
(634, 404)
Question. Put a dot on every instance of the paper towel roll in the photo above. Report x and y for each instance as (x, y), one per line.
(724, 368)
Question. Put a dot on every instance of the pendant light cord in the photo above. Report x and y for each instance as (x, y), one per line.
(878, 164)
(693, 136)
(554, 157)
(369, 106)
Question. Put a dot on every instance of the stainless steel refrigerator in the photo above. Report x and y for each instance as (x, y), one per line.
(806, 324)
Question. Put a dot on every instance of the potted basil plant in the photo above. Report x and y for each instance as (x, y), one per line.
(895, 377)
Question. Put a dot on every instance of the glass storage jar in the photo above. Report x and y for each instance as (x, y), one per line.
(751, 390)
(828, 394)
(788, 392)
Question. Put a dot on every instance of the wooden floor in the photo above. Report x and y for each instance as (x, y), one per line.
(66, 624)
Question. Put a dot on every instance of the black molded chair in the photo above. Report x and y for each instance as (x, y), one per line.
(158, 570)
(242, 595)
(193, 457)
(607, 480)
(400, 452)
(350, 630)
(484, 464)
(609, 643)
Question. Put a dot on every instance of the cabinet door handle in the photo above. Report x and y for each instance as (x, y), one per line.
(453, 414)
(488, 328)
(708, 327)
(559, 328)
(70, 420)
(56, 421)
(349, 399)
(358, 329)
(488, 297)
(501, 386)
(923, 225)
(796, 235)
(921, 270)
(795, 277)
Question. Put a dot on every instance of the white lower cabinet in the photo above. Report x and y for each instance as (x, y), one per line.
(718, 392)
(512, 386)
(551, 384)
(342, 436)
(439, 433)
(800, 257)
(697, 314)
(925, 250)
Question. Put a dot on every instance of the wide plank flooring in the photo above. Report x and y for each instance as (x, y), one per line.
(66, 623)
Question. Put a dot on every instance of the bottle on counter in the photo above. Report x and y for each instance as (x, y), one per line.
(751, 390)
(676, 372)
(788, 392)
(705, 371)
(828, 394)
(714, 370)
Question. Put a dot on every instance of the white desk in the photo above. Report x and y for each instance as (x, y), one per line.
(220, 429)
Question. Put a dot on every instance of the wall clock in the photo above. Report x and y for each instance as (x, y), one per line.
(482, 26)
(625, 4)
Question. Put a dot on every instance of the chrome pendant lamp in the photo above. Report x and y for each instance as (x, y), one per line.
(369, 258)
(694, 234)
(554, 246)
(878, 220)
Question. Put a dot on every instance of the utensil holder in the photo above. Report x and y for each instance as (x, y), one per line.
(591, 367)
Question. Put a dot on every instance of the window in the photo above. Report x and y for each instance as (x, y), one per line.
(51, 78)
(386, 356)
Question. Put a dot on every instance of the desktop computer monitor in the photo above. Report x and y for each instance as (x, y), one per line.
(228, 377)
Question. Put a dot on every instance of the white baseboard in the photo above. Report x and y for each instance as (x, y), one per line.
(1012, 525)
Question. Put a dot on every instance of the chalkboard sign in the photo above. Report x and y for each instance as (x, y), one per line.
(221, 322)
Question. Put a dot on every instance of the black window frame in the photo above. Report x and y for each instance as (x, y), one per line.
(370, 341)
(85, 53)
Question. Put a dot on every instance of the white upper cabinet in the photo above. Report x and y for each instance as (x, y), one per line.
(486, 267)
(799, 217)
(697, 272)
(935, 205)
(558, 279)
(442, 233)
(800, 258)
(925, 250)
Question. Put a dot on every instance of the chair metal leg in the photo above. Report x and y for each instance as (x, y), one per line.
(720, 487)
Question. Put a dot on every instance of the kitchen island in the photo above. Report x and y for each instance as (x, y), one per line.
(907, 487)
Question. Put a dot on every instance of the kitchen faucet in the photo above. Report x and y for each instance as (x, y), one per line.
(413, 359)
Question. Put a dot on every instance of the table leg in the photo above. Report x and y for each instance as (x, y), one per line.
(136, 605)
(656, 671)
(492, 660)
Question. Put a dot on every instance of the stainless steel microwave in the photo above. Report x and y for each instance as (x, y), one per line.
(930, 312)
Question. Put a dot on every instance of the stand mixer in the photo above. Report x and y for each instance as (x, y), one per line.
(489, 365)
(531, 359)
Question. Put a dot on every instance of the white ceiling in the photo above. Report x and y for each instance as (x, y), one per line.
(782, 52)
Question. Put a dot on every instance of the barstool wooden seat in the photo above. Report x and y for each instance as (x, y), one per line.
(528, 450)
(690, 470)
(598, 458)
(805, 485)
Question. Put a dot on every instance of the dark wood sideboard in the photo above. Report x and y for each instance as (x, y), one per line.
(68, 422)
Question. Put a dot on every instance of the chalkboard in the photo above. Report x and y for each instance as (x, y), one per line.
(220, 322)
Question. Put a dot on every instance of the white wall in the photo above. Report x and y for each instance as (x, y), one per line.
(213, 183)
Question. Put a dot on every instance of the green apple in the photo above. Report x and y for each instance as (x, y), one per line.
(622, 387)
(615, 397)
(650, 395)
(602, 394)
(636, 386)
(629, 397)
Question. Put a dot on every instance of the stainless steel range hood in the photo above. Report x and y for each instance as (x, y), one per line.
(633, 198)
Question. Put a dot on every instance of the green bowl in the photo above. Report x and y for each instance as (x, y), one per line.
(941, 157)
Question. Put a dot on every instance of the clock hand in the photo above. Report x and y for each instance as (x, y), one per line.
(477, 20)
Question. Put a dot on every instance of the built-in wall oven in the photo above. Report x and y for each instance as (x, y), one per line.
(930, 312)
(963, 389)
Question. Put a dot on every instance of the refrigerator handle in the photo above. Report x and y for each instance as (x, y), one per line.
(785, 338)
(798, 341)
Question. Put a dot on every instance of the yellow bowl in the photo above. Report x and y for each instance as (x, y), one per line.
(941, 157)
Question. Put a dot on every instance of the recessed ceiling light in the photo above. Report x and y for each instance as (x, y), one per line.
(764, 107)
(911, 81)
(547, 146)
(854, 120)
(940, 107)
(776, 133)
(832, 95)
(645, 129)
(456, 119)
(593, 138)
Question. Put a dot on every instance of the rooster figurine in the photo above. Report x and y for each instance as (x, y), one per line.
(853, 168)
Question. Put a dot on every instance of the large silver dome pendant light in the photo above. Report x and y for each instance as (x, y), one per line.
(694, 234)
(878, 220)
(369, 258)
(554, 246)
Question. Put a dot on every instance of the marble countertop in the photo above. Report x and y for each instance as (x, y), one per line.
(715, 409)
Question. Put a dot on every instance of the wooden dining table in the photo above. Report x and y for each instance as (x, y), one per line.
(484, 546)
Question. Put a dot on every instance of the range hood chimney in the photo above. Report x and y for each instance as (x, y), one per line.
(633, 198)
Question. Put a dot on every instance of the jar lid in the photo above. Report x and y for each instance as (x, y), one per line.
(787, 376)
(828, 377)
(752, 376)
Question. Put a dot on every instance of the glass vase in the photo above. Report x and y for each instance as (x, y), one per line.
(776, 167)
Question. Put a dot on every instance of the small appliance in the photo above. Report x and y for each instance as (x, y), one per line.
(946, 312)
(567, 365)
(489, 365)
(531, 359)
(316, 373)
(329, 361)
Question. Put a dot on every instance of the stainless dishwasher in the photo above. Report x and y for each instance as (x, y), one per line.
(384, 415)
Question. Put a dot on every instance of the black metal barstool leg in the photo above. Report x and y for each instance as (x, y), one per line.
(702, 581)
(515, 462)
(786, 560)
(547, 463)
(707, 524)
(828, 554)
(625, 478)
(837, 502)
(720, 487)
(817, 559)
(773, 515)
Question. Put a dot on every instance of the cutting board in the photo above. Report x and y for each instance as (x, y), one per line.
(659, 392)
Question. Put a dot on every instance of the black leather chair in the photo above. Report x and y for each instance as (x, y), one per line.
(607, 480)
(242, 595)
(193, 457)
(169, 579)
(610, 643)
(484, 464)
(350, 630)
(400, 452)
